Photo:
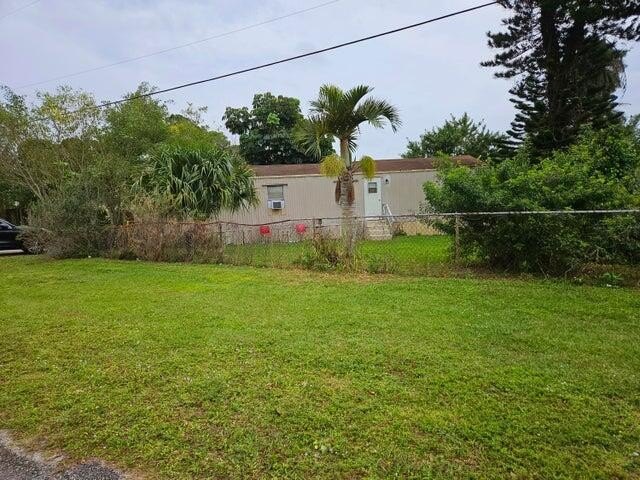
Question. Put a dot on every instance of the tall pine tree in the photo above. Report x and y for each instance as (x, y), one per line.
(568, 64)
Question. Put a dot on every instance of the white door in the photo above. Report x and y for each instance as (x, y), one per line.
(372, 197)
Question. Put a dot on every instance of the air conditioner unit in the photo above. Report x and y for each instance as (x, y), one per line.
(276, 204)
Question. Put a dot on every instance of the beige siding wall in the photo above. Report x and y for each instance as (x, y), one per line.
(404, 191)
(312, 196)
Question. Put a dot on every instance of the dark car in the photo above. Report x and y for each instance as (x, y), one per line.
(9, 236)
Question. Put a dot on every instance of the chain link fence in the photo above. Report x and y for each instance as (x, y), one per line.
(544, 241)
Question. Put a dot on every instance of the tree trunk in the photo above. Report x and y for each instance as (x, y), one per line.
(551, 65)
(346, 183)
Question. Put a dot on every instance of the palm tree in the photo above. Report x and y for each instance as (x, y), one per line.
(339, 114)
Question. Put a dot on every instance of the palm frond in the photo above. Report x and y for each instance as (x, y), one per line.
(339, 114)
(353, 145)
(199, 182)
(376, 111)
(329, 99)
(309, 134)
(352, 96)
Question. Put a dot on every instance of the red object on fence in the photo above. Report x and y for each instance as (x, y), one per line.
(301, 228)
(265, 230)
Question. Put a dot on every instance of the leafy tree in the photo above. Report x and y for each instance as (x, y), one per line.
(340, 114)
(266, 131)
(568, 65)
(135, 126)
(198, 182)
(601, 171)
(67, 114)
(460, 136)
(140, 125)
(42, 143)
(189, 133)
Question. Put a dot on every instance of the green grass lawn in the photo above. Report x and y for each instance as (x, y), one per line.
(197, 371)
(408, 255)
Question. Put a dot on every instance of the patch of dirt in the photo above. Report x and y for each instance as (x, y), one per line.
(17, 463)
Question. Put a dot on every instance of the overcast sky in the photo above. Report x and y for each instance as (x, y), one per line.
(428, 73)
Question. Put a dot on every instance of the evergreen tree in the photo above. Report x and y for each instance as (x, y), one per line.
(566, 57)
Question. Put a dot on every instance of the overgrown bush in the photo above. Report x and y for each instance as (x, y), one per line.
(154, 235)
(77, 219)
(326, 253)
(602, 171)
(169, 241)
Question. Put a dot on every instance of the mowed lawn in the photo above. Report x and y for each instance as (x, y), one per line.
(196, 371)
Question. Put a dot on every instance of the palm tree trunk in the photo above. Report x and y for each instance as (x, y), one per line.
(346, 183)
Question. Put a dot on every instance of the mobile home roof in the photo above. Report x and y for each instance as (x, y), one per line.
(382, 166)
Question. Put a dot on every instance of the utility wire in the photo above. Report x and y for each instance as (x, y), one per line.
(18, 9)
(178, 47)
(296, 57)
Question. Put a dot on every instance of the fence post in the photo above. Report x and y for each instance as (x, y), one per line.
(457, 239)
(313, 228)
(221, 244)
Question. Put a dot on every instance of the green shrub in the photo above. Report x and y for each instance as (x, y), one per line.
(600, 172)
(77, 219)
(325, 253)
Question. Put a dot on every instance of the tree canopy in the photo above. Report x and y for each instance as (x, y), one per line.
(266, 131)
(41, 143)
(63, 132)
(459, 136)
(134, 127)
(339, 114)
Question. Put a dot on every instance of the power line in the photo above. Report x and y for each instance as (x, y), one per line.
(18, 9)
(296, 57)
(178, 47)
